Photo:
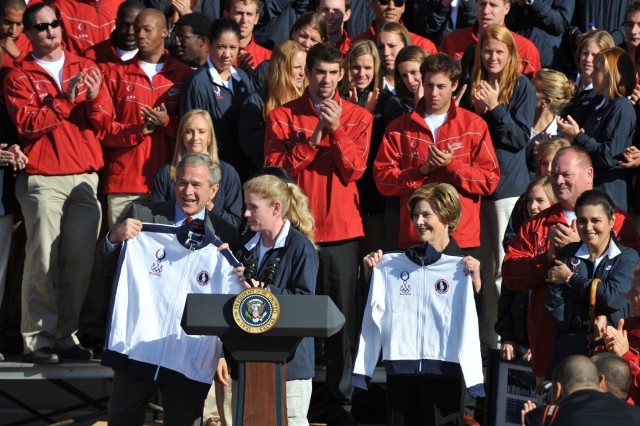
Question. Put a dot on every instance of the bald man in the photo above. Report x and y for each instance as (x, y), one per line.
(580, 401)
(145, 93)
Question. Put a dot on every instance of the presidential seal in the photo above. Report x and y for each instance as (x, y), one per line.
(256, 310)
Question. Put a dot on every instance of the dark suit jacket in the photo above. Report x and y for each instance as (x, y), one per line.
(164, 213)
(590, 407)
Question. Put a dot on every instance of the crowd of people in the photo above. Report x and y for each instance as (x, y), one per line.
(492, 142)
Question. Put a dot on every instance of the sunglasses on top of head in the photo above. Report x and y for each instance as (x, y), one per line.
(398, 3)
(43, 26)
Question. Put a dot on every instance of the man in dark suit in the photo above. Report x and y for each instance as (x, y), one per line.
(183, 396)
(579, 399)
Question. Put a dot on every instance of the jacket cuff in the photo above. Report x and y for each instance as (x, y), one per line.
(581, 139)
(497, 114)
(360, 381)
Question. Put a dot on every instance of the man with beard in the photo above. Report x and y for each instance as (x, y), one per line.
(121, 46)
(145, 92)
(59, 104)
(191, 39)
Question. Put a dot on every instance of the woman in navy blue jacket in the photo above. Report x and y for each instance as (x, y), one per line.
(220, 88)
(610, 127)
(597, 255)
(278, 215)
(506, 100)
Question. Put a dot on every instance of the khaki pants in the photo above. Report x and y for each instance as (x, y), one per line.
(494, 218)
(117, 205)
(62, 217)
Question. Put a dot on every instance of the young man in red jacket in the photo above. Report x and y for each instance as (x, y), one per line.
(323, 143)
(121, 46)
(146, 94)
(438, 142)
(59, 105)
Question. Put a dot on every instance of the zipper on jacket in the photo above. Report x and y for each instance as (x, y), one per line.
(172, 303)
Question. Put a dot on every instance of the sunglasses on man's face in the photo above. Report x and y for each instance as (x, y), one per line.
(398, 3)
(44, 25)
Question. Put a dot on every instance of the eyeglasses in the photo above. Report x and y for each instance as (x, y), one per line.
(398, 3)
(180, 38)
(44, 25)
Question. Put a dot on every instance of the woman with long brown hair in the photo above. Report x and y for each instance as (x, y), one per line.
(505, 98)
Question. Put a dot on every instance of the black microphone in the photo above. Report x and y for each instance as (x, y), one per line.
(250, 266)
(270, 273)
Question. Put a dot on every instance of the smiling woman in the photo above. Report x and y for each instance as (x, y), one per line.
(506, 99)
(598, 255)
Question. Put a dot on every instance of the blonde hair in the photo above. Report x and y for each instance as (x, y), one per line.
(295, 204)
(357, 49)
(557, 86)
(279, 84)
(549, 148)
(511, 71)
(444, 201)
(545, 183)
(620, 70)
(181, 151)
(602, 38)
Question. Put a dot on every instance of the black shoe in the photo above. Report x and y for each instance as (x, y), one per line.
(42, 356)
(76, 352)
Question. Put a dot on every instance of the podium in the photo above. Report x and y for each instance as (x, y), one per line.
(261, 355)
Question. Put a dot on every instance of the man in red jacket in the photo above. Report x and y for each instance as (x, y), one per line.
(59, 104)
(14, 45)
(532, 253)
(146, 94)
(323, 143)
(438, 142)
(247, 13)
(121, 46)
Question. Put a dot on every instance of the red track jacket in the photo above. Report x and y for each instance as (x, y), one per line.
(58, 136)
(132, 160)
(86, 22)
(259, 53)
(525, 267)
(327, 173)
(104, 54)
(473, 171)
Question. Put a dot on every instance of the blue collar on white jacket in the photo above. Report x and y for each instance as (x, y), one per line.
(423, 255)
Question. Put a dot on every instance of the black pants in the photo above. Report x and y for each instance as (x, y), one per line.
(424, 400)
(337, 278)
(130, 396)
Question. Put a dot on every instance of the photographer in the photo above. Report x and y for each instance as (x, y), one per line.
(281, 257)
